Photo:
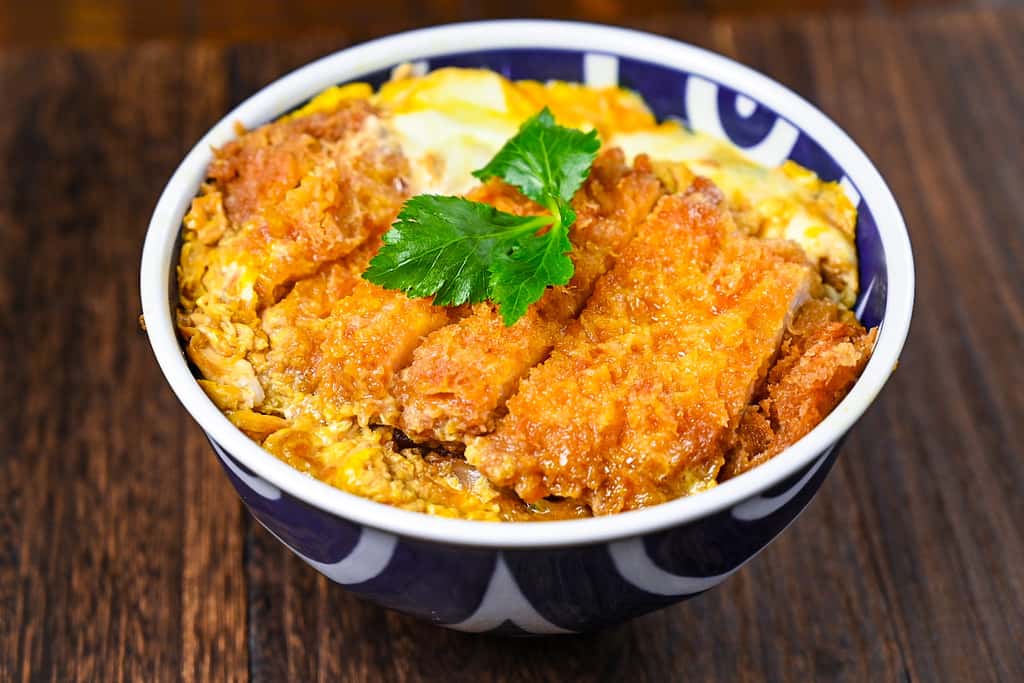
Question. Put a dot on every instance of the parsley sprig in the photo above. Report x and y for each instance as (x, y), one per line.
(460, 251)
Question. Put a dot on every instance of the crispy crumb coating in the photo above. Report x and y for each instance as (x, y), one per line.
(369, 336)
(341, 362)
(462, 374)
(293, 327)
(284, 201)
(821, 356)
(298, 194)
(260, 167)
(636, 403)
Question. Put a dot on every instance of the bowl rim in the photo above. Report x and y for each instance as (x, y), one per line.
(291, 90)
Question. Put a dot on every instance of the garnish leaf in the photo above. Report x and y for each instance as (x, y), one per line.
(460, 251)
(544, 160)
(519, 278)
(444, 246)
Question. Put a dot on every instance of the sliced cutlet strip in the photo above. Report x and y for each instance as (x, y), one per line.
(282, 201)
(314, 296)
(340, 363)
(822, 355)
(301, 193)
(462, 374)
(368, 337)
(637, 401)
(295, 330)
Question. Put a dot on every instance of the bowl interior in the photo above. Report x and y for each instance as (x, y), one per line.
(709, 93)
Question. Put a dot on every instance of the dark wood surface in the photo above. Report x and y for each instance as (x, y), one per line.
(92, 23)
(124, 555)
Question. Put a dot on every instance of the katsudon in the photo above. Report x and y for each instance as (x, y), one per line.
(695, 321)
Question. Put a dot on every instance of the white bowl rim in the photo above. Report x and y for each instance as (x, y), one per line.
(350, 63)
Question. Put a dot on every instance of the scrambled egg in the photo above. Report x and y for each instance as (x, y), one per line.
(294, 210)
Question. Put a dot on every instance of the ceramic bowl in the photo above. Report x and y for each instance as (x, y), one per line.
(569, 576)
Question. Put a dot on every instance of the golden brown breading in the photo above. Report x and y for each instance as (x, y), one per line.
(462, 372)
(294, 330)
(345, 192)
(259, 167)
(821, 356)
(313, 297)
(370, 336)
(345, 361)
(296, 194)
(636, 403)
(461, 376)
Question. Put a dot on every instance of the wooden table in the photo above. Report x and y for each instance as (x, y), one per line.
(124, 555)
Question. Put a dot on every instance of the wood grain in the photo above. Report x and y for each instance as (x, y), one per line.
(106, 23)
(125, 556)
(114, 515)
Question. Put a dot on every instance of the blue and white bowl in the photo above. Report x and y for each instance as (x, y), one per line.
(552, 577)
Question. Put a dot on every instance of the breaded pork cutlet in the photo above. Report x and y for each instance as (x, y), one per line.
(281, 202)
(822, 355)
(462, 374)
(346, 360)
(294, 195)
(636, 403)
(370, 336)
(295, 330)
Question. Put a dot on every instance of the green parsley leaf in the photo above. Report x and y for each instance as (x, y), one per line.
(519, 278)
(461, 251)
(444, 246)
(544, 160)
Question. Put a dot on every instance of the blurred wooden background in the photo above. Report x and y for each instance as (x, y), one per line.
(107, 23)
